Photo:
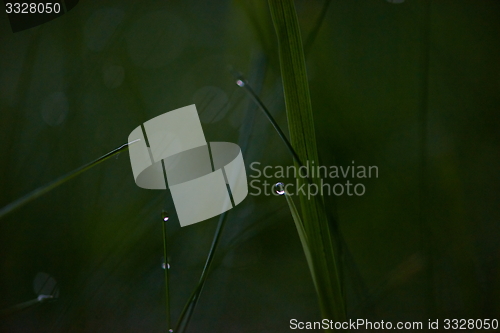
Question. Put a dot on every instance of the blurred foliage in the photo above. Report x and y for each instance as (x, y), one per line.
(73, 89)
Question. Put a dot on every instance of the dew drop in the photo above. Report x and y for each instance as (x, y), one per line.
(164, 216)
(240, 83)
(45, 287)
(279, 188)
(171, 330)
(163, 265)
(42, 298)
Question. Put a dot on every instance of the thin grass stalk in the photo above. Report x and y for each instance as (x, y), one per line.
(342, 244)
(59, 181)
(242, 82)
(299, 225)
(167, 267)
(190, 305)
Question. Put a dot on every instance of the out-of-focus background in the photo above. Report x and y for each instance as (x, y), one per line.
(411, 87)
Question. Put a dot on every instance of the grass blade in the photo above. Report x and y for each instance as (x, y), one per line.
(243, 83)
(167, 268)
(343, 249)
(188, 309)
(303, 140)
(59, 181)
(301, 232)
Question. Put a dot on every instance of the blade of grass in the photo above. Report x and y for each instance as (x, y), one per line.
(167, 267)
(59, 181)
(190, 305)
(303, 140)
(343, 249)
(299, 225)
(243, 83)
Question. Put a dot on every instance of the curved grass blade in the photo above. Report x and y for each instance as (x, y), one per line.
(164, 218)
(302, 235)
(188, 309)
(59, 181)
(349, 260)
(190, 305)
(303, 140)
(242, 82)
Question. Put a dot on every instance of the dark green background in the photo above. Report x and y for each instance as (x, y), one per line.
(422, 243)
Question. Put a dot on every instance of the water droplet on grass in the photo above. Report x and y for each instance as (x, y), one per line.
(45, 287)
(279, 188)
(164, 216)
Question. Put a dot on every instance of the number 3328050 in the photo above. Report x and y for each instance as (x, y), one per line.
(32, 8)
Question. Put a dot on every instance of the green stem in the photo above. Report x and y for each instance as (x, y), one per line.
(189, 307)
(303, 140)
(59, 181)
(243, 83)
(167, 281)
